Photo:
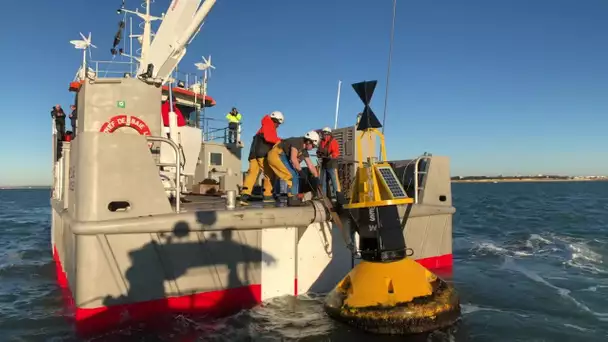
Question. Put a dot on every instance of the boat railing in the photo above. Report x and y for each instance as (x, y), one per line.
(58, 162)
(419, 175)
(122, 68)
(217, 133)
(176, 165)
(416, 178)
(59, 166)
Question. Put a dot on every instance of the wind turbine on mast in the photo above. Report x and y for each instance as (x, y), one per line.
(83, 45)
(206, 67)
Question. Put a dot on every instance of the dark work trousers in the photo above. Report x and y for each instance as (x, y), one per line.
(73, 123)
(233, 128)
(60, 125)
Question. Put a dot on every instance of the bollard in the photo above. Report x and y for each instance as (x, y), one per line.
(230, 199)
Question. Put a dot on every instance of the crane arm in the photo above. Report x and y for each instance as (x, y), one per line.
(180, 25)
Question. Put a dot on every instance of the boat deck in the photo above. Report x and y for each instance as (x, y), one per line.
(208, 202)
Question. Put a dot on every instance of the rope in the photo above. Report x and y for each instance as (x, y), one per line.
(347, 239)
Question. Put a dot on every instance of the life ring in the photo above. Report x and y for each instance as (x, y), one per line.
(134, 122)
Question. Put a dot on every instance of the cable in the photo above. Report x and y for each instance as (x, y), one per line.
(388, 71)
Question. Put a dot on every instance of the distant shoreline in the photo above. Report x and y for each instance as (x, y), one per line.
(527, 180)
(33, 187)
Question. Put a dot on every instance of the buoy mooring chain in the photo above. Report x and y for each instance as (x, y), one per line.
(387, 292)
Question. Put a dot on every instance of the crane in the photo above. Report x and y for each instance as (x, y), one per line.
(179, 26)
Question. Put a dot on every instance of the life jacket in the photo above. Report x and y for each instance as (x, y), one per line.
(234, 118)
(264, 139)
(329, 148)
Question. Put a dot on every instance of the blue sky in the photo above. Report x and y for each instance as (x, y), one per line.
(505, 87)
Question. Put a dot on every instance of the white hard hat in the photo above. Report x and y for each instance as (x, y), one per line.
(278, 116)
(326, 130)
(312, 136)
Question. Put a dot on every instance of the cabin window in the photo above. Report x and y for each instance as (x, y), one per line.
(189, 114)
(215, 159)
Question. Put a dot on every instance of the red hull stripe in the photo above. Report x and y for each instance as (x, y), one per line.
(211, 304)
(442, 261)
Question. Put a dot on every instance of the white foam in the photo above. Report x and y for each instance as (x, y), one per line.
(494, 249)
(510, 264)
(582, 251)
(585, 267)
(594, 288)
(576, 327)
(466, 309)
(537, 237)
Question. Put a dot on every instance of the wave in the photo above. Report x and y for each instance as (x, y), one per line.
(573, 252)
(510, 264)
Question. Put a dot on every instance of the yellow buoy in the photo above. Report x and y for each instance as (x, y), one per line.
(387, 292)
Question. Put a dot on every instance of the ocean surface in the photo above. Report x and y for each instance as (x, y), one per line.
(531, 264)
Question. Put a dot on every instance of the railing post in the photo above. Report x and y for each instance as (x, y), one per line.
(177, 167)
(416, 175)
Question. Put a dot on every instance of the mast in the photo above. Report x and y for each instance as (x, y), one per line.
(146, 36)
(83, 71)
(131, 44)
(145, 41)
(205, 66)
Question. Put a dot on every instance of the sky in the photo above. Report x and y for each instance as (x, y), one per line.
(501, 87)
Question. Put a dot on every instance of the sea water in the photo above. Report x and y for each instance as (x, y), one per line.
(531, 264)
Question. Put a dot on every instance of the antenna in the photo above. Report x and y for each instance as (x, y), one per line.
(337, 105)
(83, 45)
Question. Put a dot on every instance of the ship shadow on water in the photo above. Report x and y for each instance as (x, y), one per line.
(153, 317)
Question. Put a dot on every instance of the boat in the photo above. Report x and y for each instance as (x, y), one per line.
(144, 217)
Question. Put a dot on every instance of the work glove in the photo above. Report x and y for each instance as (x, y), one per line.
(340, 199)
(340, 202)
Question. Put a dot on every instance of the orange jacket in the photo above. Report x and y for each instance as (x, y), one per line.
(268, 130)
(329, 146)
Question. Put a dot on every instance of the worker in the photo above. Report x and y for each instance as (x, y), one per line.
(285, 158)
(164, 110)
(328, 153)
(264, 139)
(59, 115)
(234, 123)
(73, 118)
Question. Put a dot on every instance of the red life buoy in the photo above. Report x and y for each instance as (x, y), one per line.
(126, 121)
